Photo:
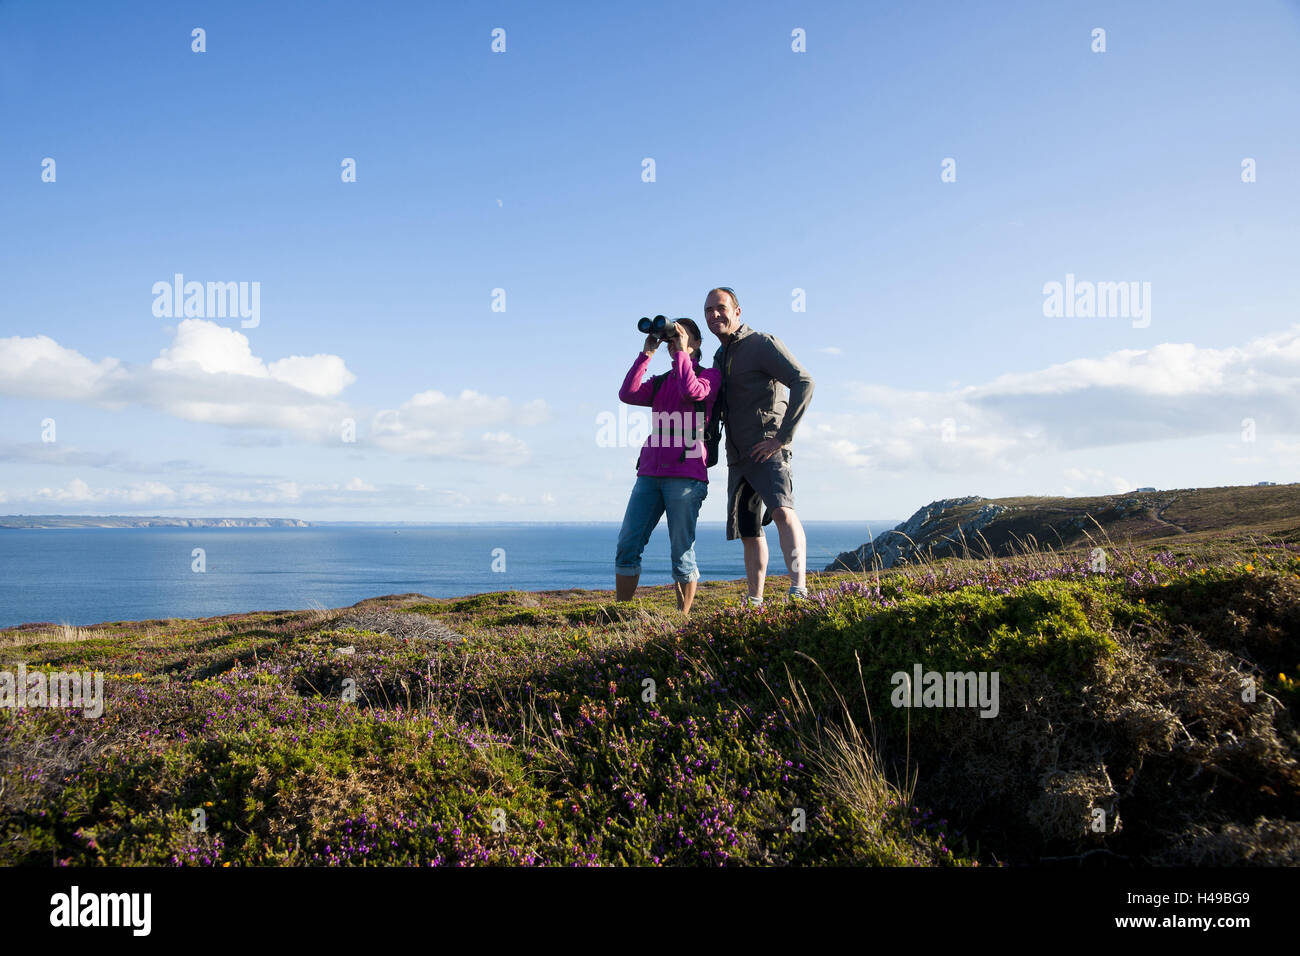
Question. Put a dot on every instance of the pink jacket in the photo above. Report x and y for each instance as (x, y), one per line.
(673, 410)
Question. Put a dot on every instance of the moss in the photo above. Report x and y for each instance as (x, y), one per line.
(525, 618)
(1041, 629)
(426, 608)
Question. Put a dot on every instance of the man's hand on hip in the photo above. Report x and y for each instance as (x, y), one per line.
(766, 449)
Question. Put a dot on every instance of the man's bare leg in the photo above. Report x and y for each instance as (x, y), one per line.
(685, 595)
(756, 564)
(625, 586)
(794, 544)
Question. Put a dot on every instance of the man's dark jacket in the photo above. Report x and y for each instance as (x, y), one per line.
(757, 369)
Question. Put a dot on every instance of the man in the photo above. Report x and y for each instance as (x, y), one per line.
(756, 371)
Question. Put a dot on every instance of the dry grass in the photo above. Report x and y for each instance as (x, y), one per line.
(539, 733)
(399, 624)
(58, 634)
(1266, 843)
(319, 615)
(634, 629)
(846, 757)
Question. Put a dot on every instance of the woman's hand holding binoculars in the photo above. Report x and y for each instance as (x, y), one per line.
(676, 339)
(661, 329)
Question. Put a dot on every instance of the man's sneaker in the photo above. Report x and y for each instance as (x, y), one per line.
(797, 594)
(753, 601)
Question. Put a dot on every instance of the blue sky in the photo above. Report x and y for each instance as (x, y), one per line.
(938, 373)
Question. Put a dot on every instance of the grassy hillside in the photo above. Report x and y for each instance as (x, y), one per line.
(1222, 519)
(520, 728)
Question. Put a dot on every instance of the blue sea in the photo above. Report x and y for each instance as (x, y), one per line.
(88, 576)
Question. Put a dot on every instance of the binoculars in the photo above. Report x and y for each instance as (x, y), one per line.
(660, 326)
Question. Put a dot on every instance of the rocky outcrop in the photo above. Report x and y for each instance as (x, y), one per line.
(976, 527)
(933, 527)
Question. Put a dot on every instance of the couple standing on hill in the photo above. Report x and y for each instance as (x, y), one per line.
(750, 374)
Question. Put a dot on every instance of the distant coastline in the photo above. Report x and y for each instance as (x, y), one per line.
(55, 522)
(44, 522)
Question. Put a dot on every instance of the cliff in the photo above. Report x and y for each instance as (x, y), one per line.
(955, 527)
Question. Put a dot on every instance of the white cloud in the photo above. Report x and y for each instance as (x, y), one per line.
(471, 408)
(432, 424)
(75, 490)
(209, 374)
(1168, 391)
(208, 347)
(1166, 369)
(145, 494)
(256, 495)
(1094, 481)
(38, 367)
(137, 493)
(215, 350)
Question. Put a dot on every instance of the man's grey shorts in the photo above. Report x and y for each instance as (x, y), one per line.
(750, 486)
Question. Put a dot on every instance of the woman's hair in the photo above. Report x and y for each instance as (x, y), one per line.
(695, 331)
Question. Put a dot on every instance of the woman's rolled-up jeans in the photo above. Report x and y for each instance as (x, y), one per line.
(651, 497)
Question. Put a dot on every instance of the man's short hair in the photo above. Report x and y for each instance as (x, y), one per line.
(730, 292)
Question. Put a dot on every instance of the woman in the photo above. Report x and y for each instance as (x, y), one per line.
(671, 472)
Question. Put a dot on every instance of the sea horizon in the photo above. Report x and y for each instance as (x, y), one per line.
(90, 575)
(388, 524)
